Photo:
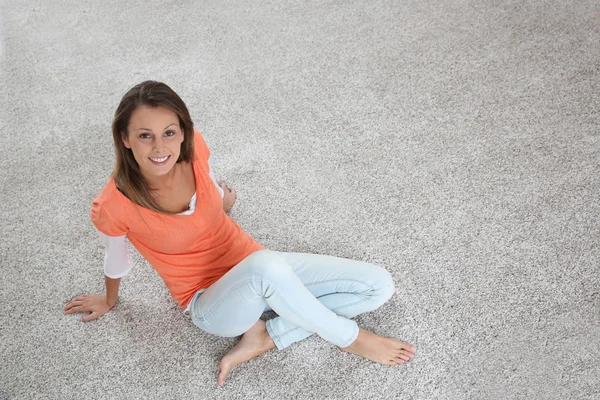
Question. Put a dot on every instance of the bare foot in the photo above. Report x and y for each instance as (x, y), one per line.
(386, 351)
(254, 342)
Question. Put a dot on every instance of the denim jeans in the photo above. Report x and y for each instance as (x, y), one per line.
(311, 293)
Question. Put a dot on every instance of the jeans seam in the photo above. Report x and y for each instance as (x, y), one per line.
(343, 279)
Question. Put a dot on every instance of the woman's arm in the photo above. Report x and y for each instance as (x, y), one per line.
(112, 290)
(227, 194)
(116, 265)
(117, 262)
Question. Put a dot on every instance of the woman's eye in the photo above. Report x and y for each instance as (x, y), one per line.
(144, 136)
(170, 133)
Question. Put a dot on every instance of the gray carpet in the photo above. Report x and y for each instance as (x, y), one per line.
(455, 143)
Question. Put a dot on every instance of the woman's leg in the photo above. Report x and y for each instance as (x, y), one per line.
(268, 279)
(346, 287)
(233, 304)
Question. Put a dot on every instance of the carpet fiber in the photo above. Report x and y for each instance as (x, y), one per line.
(455, 143)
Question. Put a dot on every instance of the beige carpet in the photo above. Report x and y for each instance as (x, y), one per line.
(453, 142)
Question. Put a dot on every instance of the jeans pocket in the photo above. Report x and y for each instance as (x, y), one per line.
(192, 305)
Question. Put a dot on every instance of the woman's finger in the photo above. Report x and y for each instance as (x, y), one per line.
(90, 317)
(75, 299)
(75, 309)
(72, 304)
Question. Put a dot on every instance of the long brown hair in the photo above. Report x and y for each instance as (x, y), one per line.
(127, 174)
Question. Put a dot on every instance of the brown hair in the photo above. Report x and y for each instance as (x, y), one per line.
(127, 175)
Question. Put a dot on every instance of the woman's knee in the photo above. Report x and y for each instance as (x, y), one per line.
(385, 284)
(267, 264)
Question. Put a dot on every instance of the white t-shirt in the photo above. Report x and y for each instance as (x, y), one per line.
(117, 262)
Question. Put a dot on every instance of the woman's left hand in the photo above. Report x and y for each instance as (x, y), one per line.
(229, 196)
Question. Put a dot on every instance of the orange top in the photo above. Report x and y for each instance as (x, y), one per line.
(189, 252)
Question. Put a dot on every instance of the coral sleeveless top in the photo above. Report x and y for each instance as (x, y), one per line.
(189, 252)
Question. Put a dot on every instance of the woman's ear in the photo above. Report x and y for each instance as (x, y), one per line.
(125, 140)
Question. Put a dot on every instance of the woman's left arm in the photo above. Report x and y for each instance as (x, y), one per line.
(227, 194)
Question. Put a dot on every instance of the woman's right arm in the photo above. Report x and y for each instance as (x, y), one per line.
(96, 304)
(117, 264)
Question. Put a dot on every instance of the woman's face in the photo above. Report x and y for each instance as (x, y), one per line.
(154, 136)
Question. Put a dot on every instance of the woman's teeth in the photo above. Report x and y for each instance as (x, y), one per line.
(159, 160)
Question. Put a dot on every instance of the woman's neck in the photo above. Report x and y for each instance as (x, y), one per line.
(166, 181)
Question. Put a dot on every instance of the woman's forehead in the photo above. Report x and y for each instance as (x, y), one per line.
(152, 118)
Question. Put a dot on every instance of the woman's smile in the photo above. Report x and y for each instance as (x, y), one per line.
(159, 161)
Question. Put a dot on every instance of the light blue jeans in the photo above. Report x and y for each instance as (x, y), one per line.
(311, 293)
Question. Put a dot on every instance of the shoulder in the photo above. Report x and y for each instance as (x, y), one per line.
(110, 209)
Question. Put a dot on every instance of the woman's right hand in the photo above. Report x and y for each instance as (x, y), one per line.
(97, 304)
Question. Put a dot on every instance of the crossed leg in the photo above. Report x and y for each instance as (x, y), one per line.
(311, 293)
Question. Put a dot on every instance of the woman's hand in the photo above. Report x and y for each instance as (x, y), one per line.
(229, 196)
(94, 303)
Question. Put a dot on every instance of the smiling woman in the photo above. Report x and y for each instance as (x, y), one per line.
(162, 196)
(151, 123)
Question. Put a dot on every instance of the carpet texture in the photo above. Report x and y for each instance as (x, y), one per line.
(455, 143)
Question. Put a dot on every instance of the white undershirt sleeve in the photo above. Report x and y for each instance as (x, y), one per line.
(117, 262)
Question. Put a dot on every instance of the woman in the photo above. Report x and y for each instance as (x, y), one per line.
(162, 196)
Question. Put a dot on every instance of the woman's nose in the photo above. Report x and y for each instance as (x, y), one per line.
(159, 144)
